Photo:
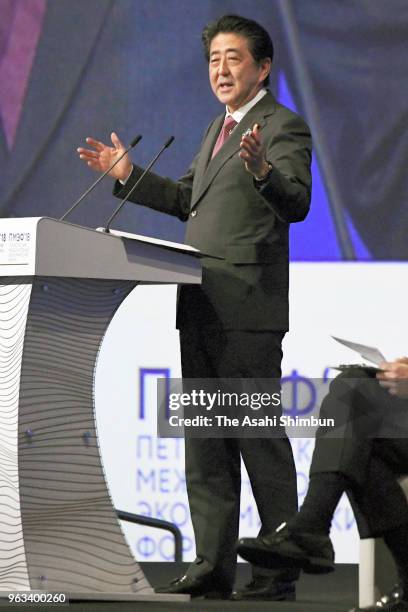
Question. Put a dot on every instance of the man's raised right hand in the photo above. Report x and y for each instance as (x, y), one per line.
(101, 157)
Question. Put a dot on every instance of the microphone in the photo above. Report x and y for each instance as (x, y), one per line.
(134, 142)
(125, 199)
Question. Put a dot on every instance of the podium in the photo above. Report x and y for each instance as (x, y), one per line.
(61, 285)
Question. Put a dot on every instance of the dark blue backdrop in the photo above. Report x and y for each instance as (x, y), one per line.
(137, 66)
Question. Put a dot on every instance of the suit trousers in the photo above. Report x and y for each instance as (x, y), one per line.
(213, 464)
(372, 451)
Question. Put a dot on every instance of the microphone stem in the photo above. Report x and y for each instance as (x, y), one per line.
(132, 144)
(126, 198)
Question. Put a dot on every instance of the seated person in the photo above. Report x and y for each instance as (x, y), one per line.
(364, 462)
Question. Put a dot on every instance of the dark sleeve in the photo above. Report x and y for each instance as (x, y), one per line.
(288, 189)
(160, 193)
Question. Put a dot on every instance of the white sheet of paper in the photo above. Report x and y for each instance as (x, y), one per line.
(165, 243)
(370, 353)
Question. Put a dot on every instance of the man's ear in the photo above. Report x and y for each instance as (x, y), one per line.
(266, 65)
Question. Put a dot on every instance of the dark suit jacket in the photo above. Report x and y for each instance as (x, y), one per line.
(243, 228)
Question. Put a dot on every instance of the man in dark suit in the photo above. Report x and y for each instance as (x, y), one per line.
(364, 461)
(249, 181)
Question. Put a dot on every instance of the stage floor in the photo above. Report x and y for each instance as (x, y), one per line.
(337, 592)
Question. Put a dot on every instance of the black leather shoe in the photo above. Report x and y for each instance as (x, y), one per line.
(390, 602)
(285, 547)
(265, 588)
(196, 587)
(398, 606)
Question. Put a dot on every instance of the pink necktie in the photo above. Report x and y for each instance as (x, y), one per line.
(224, 134)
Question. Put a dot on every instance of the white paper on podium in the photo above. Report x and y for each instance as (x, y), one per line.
(370, 353)
(176, 246)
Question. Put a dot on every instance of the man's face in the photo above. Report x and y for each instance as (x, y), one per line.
(235, 77)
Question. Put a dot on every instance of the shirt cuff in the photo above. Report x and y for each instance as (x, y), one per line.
(123, 182)
(260, 184)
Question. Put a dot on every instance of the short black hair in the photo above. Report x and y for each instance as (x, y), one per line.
(259, 41)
